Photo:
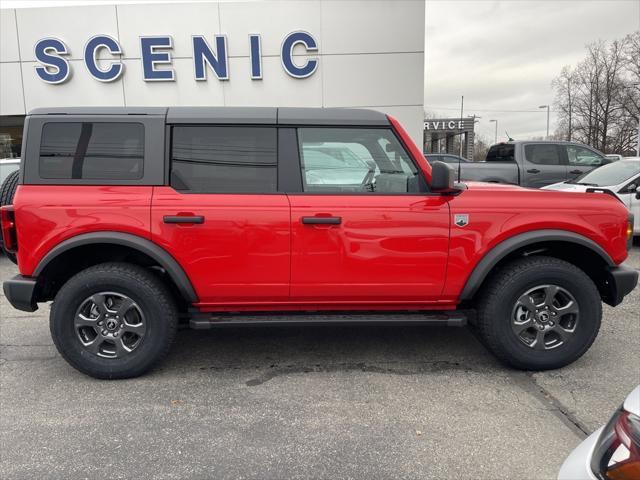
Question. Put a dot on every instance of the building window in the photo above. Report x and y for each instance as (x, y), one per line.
(11, 136)
(94, 151)
(221, 159)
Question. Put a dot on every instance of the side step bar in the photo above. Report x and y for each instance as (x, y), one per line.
(200, 321)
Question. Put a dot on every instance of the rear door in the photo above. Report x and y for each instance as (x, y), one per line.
(367, 234)
(222, 217)
(544, 164)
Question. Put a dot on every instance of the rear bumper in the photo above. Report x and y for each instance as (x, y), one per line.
(622, 281)
(20, 291)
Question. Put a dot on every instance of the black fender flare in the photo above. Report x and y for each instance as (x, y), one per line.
(143, 245)
(510, 245)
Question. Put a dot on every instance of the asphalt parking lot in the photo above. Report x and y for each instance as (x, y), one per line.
(314, 402)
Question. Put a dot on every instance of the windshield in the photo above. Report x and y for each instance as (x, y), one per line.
(611, 174)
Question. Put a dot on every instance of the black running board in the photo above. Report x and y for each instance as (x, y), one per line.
(201, 321)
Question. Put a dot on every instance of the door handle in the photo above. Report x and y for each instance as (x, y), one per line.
(533, 170)
(183, 219)
(321, 220)
(575, 172)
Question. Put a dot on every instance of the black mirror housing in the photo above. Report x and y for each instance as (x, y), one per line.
(443, 178)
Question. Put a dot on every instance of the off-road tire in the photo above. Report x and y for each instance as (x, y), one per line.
(7, 191)
(497, 299)
(134, 282)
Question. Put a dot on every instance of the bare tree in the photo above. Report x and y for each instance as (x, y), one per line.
(595, 100)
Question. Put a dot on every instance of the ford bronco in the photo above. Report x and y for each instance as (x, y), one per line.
(132, 220)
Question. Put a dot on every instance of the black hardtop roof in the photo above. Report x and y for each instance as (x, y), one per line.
(236, 115)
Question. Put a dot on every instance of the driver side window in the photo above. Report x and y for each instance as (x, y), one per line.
(355, 160)
(581, 156)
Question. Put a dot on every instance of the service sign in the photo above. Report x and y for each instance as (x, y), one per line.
(209, 55)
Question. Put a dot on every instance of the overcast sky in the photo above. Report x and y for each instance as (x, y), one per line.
(503, 55)
(500, 54)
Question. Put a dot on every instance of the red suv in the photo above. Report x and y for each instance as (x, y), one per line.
(132, 219)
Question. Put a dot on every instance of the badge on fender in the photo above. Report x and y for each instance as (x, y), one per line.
(461, 219)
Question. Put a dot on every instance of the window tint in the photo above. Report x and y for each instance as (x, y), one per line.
(543, 154)
(100, 151)
(501, 153)
(211, 159)
(582, 156)
(355, 160)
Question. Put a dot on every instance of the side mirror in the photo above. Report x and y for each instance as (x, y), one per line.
(443, 178)
(637, 193)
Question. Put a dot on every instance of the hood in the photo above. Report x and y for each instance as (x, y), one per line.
(567, 187)
(492, 186)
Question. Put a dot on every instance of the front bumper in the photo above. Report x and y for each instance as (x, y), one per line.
(622, 280)
(21, 293)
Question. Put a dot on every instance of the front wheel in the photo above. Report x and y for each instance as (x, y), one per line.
(113, 320)
(539, 313)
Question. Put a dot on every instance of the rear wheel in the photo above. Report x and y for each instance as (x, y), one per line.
(113, 320)
(539, 313)
(7, 192)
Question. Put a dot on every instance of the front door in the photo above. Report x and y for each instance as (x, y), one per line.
(581, 160)
(364, 229)
(222, 217)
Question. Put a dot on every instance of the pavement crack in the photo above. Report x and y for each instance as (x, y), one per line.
(276, 370)
(529, 384)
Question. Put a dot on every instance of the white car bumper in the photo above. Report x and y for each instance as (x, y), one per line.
(577, 466)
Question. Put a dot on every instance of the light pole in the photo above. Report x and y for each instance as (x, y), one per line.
(637, 85)
(547, 107)
(461, 119)
(495, 140)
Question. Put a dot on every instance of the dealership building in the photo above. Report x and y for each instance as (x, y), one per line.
(320, 53)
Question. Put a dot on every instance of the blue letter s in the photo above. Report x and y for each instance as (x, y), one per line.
(47, 52)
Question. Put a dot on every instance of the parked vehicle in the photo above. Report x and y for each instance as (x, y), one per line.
(612, 451)
(621, 179)
(445, 157)
(213, 215)
(533, 163)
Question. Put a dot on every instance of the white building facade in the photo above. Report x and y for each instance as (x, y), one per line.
(315, 53)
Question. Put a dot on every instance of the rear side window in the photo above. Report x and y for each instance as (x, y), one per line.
(221, 159)
(501, 153)
(92, 151)
(543, 154)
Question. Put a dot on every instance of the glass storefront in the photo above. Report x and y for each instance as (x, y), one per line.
(11, 135)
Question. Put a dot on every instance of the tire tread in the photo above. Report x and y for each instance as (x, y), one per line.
(126, 272)
(492, 295)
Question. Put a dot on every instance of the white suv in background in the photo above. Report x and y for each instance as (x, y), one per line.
(612, 451)
(621, 178)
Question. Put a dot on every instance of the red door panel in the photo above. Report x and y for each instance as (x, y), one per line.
(385, 248)
(241, 251)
